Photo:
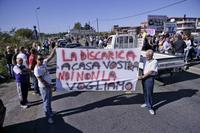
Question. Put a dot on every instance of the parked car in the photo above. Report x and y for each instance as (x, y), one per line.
(77, 45)
(73, 45)
(62, 42)
(2, 113)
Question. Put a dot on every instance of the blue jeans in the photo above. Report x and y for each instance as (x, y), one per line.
(46, 94)
(10, 70)
(148, 84)
(188, 53)
(35, 83)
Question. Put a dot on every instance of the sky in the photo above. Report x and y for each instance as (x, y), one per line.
(60, 15)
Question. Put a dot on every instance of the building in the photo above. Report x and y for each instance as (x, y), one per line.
(122, 29)
(82, 32)
(144, 26)
(156, 22)
(198, 24)
(186, 24)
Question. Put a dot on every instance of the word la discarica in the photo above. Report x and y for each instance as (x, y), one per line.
(98, 55)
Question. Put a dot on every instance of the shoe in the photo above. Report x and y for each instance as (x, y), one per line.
(28, 103)
(36, 93)
(24, 106)
(151, 111)
(53, 89)
(50, 121)
(143, 105)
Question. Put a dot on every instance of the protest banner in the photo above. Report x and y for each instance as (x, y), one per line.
(170, 27)
(151, 32)
(97, 69)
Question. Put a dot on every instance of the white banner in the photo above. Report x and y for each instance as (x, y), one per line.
(151, 32)
(97, 69)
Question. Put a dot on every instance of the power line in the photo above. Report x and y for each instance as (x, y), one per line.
(145, 12)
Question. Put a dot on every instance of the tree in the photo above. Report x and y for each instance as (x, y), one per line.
(77, 26)
(87, 26)
(5, 38)
(12, 31)
(24, 33)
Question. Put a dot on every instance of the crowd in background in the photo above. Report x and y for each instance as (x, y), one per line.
(181, 44)
(26, 53)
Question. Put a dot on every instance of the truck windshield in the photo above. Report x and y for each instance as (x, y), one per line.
(109, 41)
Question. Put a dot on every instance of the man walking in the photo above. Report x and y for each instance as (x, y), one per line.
(150, 70)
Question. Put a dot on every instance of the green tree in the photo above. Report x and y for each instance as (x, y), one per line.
(77, 26)
(12, 31)
(5, 38)
(3, 69)
(24, 33)
(87, 26)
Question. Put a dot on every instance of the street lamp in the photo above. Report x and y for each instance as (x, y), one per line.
(36, 14)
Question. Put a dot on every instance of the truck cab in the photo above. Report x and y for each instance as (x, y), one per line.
(121, 41)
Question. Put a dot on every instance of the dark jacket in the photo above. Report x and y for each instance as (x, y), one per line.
(179, 46)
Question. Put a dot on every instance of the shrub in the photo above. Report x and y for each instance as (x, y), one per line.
(3, 68)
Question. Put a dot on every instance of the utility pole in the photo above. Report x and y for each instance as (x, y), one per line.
(97, 25)
(68, 28)
(38, 24)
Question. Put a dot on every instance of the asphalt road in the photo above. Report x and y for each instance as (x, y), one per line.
(176, 100)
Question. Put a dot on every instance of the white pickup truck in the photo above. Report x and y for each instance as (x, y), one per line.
(121, 41)
(166, 63)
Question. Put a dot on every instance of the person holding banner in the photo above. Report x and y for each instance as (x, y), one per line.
(150, 69)
(44, 83)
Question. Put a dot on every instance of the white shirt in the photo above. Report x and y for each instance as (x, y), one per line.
(151, 65)
(42, 71)
(16, 69)
(188, 44)
(24, 57)
(166, 46)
